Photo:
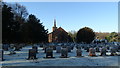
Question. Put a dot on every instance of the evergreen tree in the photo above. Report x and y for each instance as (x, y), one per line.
(33, 31)
(8, 24)
(85, 35)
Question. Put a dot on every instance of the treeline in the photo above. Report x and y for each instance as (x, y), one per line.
(18, 26)
(101, 35)
(110, 37)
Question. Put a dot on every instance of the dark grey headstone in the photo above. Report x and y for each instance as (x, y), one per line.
(64, 53)
(72, 47)
(58, 49)
(97, 49)
(87, 49)
(69, 48)
(11, 50)
(17, 47)
(49, 52)
(113, 51)
(36, 48)
(1, 55)
(103, 52)
(79, 52)
(5, 47)
(45, 47)
(32, 54)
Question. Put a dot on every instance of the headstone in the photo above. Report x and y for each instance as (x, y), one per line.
(36, 48)
(87, 49)
(45, 49)
(32, 54)
(41, 45)
(21, 45)
(49, 53)
(54, 47)
(64, 53)
(113, 51)
(97, 49)
(1, 55)
(119, 47)
(11, 50)
(79, 52)
(72, 47)
(58, 49)
(103, 51)
(92, 52)
(78, 47)
(5, 47)
(69, 48)
(108, 48)
(17, 48)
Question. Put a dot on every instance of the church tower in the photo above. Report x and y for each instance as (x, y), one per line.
(54, 27)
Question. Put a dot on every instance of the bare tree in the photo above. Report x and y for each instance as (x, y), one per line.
(20, 12)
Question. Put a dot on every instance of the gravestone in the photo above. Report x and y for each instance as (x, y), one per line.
(58, 49)
(113, 51)
(72, 47)
(97, 49)
(5, 47)
(21, 45)
(79, 52)
(64, 53)
(87, 49)
(69, 48)
(92, 52)
(49, 53)
(78, 47)
(11, 50)
(103, 51)
(45, 49)
(41, 45)
(17, 48)
(1, 55)
(32, 54)
(36, 48)
(54, 47)
(108, 47)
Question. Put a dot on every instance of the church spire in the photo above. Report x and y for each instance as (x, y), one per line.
(54, 27)
(54, 22)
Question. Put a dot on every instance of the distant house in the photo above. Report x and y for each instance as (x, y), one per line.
(58, 35)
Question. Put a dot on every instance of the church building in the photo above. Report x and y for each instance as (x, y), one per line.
(58, 35)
